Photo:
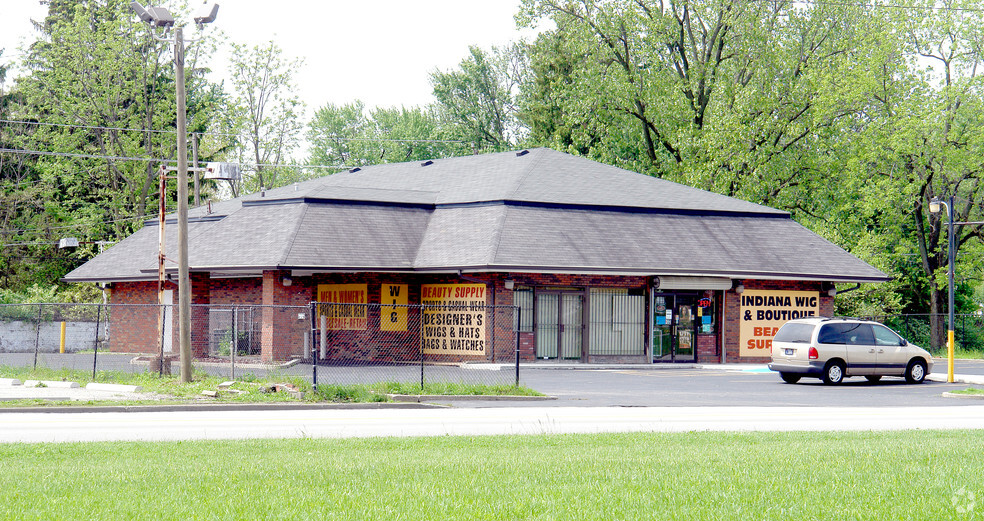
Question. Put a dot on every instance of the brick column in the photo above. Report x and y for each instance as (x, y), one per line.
(275, 344)
(201, 285)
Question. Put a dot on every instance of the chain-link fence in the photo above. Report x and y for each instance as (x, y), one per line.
(370, 343)
(968, 330)
(329, 343)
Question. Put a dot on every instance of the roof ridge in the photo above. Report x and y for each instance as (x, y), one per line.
(529, 170)
(289, 247)
(497, 234)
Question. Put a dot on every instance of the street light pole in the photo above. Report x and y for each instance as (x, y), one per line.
(184, 280)
(934, 207)
(159, 17)
(951, 260)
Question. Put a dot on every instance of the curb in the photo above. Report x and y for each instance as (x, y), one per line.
(964, 396)
(422, 398)
(139, 360)
(234, 407)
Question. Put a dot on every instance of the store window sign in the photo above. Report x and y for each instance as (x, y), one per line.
(393, 317)
(763, 312)
(346, 306)
(453, 319)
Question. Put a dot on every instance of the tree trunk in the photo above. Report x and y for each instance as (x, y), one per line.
(937, 318)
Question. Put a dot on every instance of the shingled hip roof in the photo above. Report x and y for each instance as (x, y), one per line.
(538, 211)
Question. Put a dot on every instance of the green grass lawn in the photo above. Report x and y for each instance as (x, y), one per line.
(892, 475)
(972, 391)
(248, 388)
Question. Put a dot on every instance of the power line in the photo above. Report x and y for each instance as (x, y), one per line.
(83, 156)
(150, 160)
(222, 134)
(78, 225)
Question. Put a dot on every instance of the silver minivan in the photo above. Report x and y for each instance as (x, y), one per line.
(836, 348)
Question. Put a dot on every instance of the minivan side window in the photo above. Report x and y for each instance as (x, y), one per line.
(849, 333)
(885, 336)
(795, 333)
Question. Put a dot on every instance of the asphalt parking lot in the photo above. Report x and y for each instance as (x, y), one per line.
(632, 386)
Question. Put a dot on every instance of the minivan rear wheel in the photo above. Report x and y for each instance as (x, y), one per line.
(915, 373)
(789, 378)
(833, 373)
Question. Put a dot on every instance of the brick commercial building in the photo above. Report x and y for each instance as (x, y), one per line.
(603, 264)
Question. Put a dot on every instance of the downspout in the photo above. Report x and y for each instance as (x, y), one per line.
(841, 292)
(473, 279)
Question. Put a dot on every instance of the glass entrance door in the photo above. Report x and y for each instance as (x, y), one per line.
(559, 325)
(674, 329)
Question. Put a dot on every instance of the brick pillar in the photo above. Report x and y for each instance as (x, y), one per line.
(275, 343)
(201, 285)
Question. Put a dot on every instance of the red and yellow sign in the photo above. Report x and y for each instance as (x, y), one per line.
(763, 312)
(393, 317)
(454, 324)
(349, 313)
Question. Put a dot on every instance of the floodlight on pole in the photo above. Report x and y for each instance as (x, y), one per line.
(141, 12)
(160, 17)
(206, 14)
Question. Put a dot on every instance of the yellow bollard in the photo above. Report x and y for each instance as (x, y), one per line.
(949, 356)
(62, 338)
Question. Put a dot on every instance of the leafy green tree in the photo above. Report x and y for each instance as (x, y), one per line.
(348, 135)
(99, 99)
(728, 95)
(477, 100)
(265, 114)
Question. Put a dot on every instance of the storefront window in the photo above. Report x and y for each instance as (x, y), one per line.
(617, 322)
(523, 298)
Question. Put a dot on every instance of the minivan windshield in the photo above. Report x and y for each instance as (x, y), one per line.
(794, 332)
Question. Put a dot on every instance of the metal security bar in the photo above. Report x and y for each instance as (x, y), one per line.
(617, 322)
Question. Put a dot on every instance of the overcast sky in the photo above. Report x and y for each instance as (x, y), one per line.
(379, 51)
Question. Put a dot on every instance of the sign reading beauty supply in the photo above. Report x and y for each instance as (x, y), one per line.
(350, 314)
(763, 312)
(453, 319)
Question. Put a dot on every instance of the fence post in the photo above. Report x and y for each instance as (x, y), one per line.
(314, 349)
(160, 367)
(37, 337)
(95, 352)
(234, 343)
(519, 326)
(421, 344)
(324, 336)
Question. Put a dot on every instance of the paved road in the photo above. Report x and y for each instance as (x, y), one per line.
(625, 386)
(185, 425)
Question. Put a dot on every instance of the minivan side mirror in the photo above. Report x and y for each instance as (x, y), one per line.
(905, 342)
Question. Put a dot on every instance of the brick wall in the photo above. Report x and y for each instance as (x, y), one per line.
(286, 332)
(133, 325)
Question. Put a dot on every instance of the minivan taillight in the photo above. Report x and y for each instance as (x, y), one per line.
(813, 353)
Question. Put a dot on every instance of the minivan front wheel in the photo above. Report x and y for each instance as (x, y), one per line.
(833, 373)
(915, 373)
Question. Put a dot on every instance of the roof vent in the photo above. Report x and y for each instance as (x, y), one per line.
(354, 170)
(427, 163)
(523, 153)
